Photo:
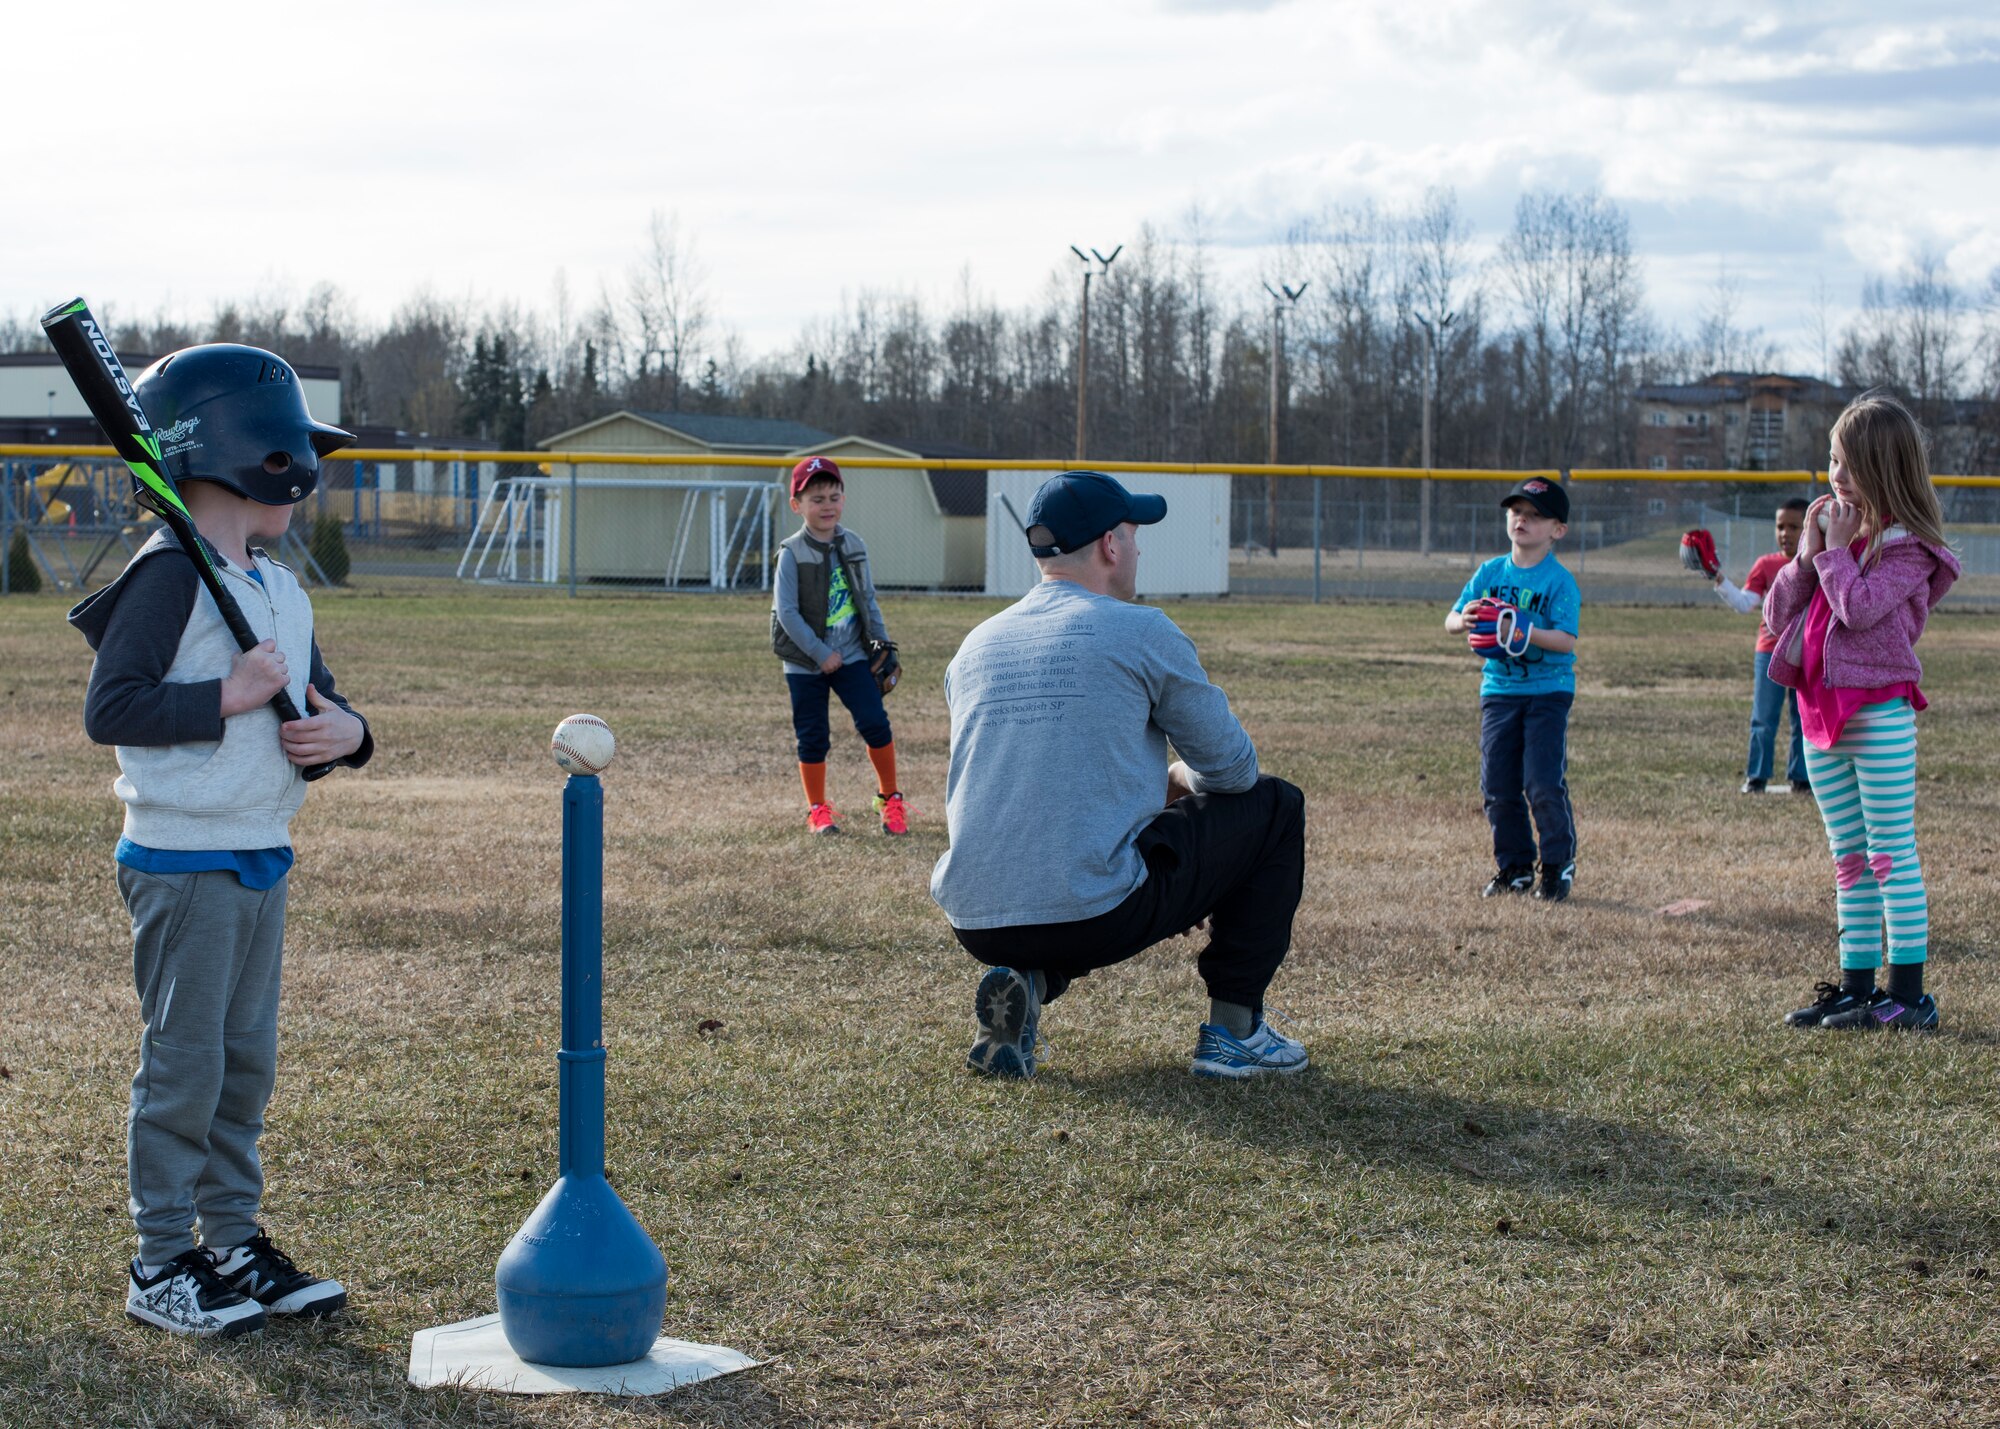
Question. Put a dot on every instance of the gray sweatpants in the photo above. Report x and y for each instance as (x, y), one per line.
(205, 958)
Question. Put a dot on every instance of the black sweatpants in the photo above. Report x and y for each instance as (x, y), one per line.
(1238, 860)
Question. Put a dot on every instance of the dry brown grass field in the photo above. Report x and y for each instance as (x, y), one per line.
(1551, 1166)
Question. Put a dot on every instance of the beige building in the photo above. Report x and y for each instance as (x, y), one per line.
(702, 524)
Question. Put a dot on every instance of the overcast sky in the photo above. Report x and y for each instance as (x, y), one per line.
(159, 158)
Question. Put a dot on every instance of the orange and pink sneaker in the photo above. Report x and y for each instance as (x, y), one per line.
(895, 814)
(820, 818)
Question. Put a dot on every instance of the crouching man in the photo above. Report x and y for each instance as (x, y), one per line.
(1074, 844)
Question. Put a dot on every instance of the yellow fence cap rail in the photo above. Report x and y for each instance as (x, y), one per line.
(555, 463)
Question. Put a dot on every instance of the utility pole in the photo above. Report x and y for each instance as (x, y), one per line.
(1430, 382)
(1083, 337)
(1283, 296)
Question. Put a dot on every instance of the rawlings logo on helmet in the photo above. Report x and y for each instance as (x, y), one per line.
(179, 431)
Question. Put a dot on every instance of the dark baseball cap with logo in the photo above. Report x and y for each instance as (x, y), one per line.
(1547, 497)
(1074, 508)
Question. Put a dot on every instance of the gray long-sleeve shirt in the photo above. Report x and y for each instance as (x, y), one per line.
(1061, 709)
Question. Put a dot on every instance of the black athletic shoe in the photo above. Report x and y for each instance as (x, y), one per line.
(1555, 883)
(1802, 786)
(266, 1274)
(1753, 786)
(1828, 999)
(1518, 878)
(1885, 1012)
(186, 1297)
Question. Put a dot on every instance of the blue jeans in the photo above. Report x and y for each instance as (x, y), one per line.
(1766, 698)
(857, 690)
(1523, 761)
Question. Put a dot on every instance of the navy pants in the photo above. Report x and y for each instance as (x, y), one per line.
(1238, 860)
(857, 690)
(1523, 759)
(1769, 700)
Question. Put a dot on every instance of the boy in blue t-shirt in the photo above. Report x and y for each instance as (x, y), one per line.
(1519, 611)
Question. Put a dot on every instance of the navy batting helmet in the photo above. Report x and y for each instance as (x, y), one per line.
(236, 416)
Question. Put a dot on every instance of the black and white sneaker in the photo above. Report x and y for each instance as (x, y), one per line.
(1830, 999)
(1556, 883)
(1516, 878)
(187, 1297)
(266, 1274)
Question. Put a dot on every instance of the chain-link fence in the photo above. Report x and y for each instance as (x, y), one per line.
(596, 524)
(1370, 539)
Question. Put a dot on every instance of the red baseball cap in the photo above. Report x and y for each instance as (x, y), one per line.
(811, 469)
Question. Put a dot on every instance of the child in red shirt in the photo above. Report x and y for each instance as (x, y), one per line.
(1768, 698)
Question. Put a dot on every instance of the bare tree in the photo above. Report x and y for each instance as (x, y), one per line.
(1910, 336)
(668, 312)
(1568, 263)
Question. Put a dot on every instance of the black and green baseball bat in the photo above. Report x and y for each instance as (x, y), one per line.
(100, 377)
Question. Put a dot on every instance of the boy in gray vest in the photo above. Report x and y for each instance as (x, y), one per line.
(827, 628)
(210, 780)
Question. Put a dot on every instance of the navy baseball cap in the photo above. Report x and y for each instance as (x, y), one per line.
(1074, 508)
(1544, 495)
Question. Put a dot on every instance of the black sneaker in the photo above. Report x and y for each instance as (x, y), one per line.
(1802, 786)
(1753, 786)
(1556, 883)
(1884, 1011)
(1515, 878)
(1828, 999)
(266, 1274)
(186, 1297)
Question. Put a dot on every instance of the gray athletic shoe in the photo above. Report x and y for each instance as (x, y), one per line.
(1218, 1052)
(1009, 1011)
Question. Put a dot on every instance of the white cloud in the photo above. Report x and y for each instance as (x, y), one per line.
(814, 152)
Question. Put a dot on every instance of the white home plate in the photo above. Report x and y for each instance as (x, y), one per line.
(475, 1354)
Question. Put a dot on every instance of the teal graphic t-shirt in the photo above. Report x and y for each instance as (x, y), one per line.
(1547, 594)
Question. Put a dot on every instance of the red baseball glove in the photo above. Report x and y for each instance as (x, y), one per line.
(1698, 553)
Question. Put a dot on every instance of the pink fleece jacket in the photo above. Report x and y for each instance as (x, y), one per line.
(1878, 614)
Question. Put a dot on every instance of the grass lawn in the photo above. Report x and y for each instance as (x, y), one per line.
(1550, 1166)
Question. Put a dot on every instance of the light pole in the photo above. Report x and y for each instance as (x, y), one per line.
(1430, 381)
(1083, 336)
(1283, 296)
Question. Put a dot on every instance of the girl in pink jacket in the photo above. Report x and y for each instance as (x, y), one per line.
(1847, 613)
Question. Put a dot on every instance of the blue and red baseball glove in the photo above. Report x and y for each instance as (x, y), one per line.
(1496, 630)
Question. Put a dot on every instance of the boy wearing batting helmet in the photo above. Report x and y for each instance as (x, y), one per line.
(210, 780)
(1519, 614)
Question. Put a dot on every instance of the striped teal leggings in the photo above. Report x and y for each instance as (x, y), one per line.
(1867, 791)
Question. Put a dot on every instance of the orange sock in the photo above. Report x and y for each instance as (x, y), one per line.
(813, 776)
(884, 760)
